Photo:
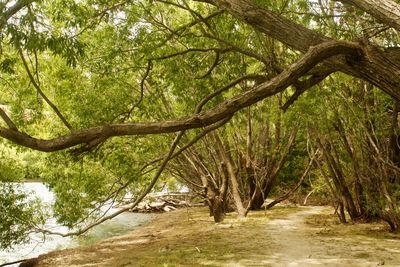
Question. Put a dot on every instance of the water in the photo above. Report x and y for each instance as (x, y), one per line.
(119, 225)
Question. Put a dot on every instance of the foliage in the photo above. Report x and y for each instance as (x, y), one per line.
(72, 67)
(19, 215)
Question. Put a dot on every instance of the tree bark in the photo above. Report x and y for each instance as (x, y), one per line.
(381, 67)
(385, 11)
(227, 160)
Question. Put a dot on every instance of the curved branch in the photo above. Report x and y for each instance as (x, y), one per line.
(225, 109)
(379, 68)
(213, 66)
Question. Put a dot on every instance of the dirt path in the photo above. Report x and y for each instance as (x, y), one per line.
(279, 237)
(291, 236)
(300, 244)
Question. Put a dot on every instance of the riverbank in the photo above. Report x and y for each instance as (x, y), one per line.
(283, 236)
(40, 244)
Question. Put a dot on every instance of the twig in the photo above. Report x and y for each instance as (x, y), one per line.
(213, 66)
(41, 93)
(137, 201)
(204, 101)
(297, 185)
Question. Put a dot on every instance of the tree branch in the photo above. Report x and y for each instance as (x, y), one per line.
(41, 93)
(238, 49)
(199, 20)
(134, 204)
(225, 109)
(7, 120)
(206, 99)
(11, 11)
(213, 66)
(191, 50)
(378, 68)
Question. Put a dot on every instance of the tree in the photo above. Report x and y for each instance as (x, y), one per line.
(358, 140)
(239, 165)
(360, 59)
(97, 70)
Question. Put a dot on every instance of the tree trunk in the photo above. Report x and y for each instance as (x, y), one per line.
(380, 68)
(338, 177)
(217, 208)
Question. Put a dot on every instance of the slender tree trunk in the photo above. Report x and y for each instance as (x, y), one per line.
(338, 177)
(296, 186)
(227, 160)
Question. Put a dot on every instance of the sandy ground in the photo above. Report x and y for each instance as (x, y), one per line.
(303, 245)
(280, 237)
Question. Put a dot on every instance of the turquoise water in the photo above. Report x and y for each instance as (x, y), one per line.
(119, 225)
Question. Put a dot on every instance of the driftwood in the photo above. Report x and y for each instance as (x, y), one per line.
(163, 202)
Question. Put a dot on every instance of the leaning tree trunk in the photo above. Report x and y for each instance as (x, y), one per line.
(330, 155)
(226, 158)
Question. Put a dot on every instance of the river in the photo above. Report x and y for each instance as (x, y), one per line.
(123, 223)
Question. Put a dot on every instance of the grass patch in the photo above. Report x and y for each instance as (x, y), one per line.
(187, 237)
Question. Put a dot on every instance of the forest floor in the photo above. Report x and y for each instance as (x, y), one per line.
(282, 236)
